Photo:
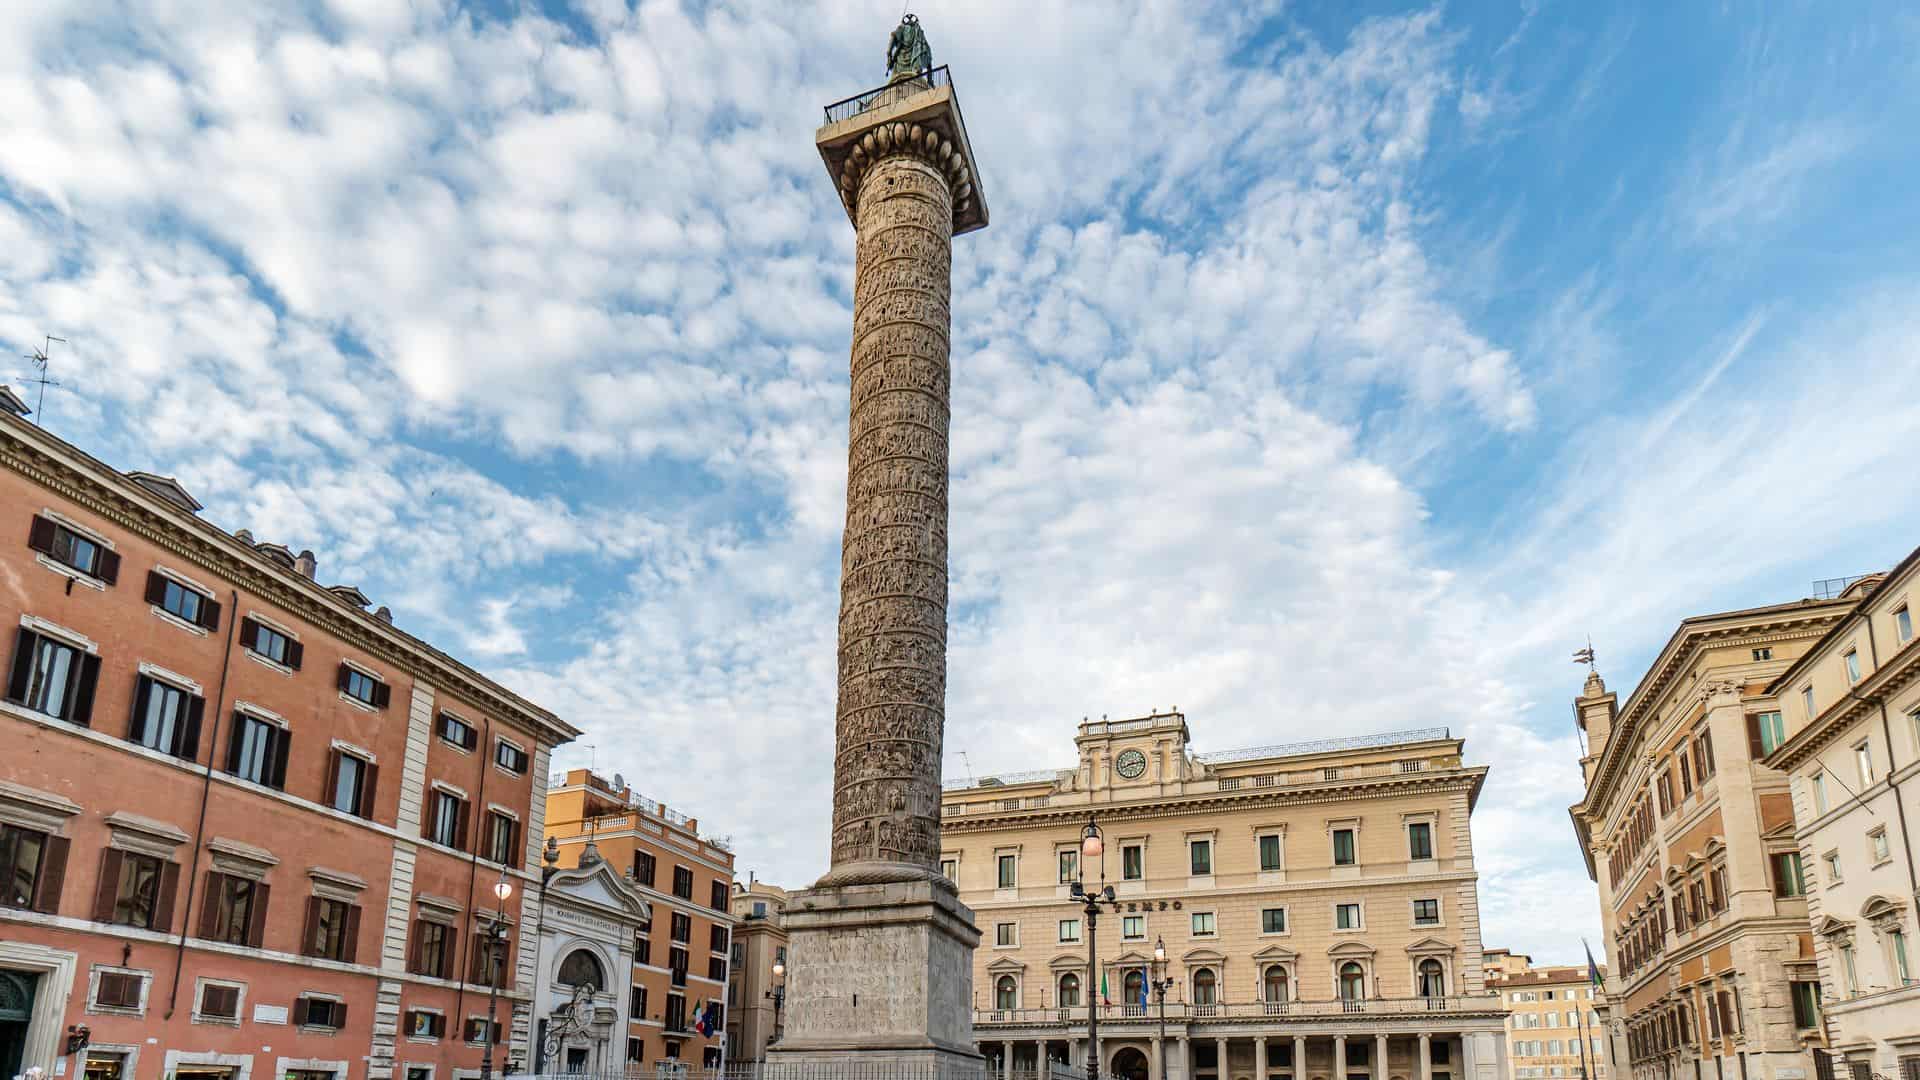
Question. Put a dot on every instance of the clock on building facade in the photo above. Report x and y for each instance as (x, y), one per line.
(1130, 764)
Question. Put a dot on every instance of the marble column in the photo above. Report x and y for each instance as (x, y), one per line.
(1339, 1057)
(1426, 1056)
(1183, 1058)
(1006, 1060)
(1299, 1057)
(1220, 1069)
(1154, 1062)
(1259, 1057)
(1380, 1057)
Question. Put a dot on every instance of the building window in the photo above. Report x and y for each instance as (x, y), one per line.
(503, 836)
(265, 641)
(235, 911)
(118, 990)
(1133, 862)
(1703, 764)
(1831, 863)
(1006, 935)
(1806, 702)
(447, 825)
(53, 677)
(509, 757)
(257, 751)
(1009, 875)
(1818, 782)
(480, 1031)
(1432, 978)
(1420, 840)
(1200, 857)
(425, 1025)
(137, 891)
(1877, 843)
(1069, 866)
(1903, 624)
(1133, 927)
(362, 687)
(683, 882)
(166, 718)
(1069, 990)
(1426, 913)
(1273, 920)
(1353, 987)
(1806, 1004)
(219, 1001)
(1852, 660)
(1766, 731)
(348, 790)
(1203, 925)
(1788, 877)
(717, 968)
(682, 926)
(1863, 761)
(181, 602)
(1206, 987)
(950, 869)
(1663, 788)
(1897, 946)
(1849, 976)
(636, 1050)
(1346, 916)
(717, 896)
(1343, 853)
(1069, 931)
(332, 926)
(1006, 993)
(457, 732)
(70, 549)
(717, 939)
(1274, 985)
(32, 866)
(1270, 852)
(432, 949)
(321, 1013)
(643, 864)
(1762, 654)
(637, 1003)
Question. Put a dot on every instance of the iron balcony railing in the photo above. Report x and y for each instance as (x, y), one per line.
(1239, 1010)
(861, 102)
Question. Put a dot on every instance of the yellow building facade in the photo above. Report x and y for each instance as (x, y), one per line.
(1555, 1022)
(1316, 905)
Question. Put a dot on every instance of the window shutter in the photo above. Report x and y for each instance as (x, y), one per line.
(382, 695)
(22, 673)
(210, 613)
(108, 888)
(53, 875)
(433, 813)
(307, 935)
(460, 816)
(414, 949)
(369, 783)
(84, 679)
(447, 954)
(339, 1014)
(295, 651)
(333, 778)
(210, 904)
(109, 568)
(234, 739)
(248, 630)
(40, 535)
(340, 677)
(1753, 737)
(163, 896)
(514, 855)
(257, 932)
(156, 587)
(282, 748)
(137, 727)
(190, 734)
(350, 940)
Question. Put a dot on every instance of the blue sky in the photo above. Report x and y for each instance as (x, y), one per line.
(1323, 369)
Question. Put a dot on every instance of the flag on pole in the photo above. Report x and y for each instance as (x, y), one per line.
(1143, 989)
(1593, 969)
(1104, 1000)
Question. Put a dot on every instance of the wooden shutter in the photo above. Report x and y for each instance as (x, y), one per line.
(282, 748)
(295, 652)
(53, 875)
(257, 930)
(369, 783)
(414, 948)
(340, 678)
(210, 613)
(109, 568)
(21, 677)
(309, 946)
(190, 733)
(461, 814)
(163, 896)
(210, 904)
(142, 691)
(382, 695)
(1754, 745)
(433, 813)
(249, 630)
(440, 1025)
(84, 680)
(447, 954)
(156, 587)
(350, 940)
(108, 888)
(234, 739)
(333, 778)
(40, 535)
(514, 855)
(339, 1014)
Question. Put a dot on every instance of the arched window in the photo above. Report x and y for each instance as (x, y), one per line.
(1274, 983)
(1006, 993)
(582, 968)
(1204, 987)
(1069, 990)
(1353, 981)
(1433, 979)
(1130, 987)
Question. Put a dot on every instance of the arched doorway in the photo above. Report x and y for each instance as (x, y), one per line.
(1129, 1064)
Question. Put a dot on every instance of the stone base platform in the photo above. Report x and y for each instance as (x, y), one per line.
(879, 974)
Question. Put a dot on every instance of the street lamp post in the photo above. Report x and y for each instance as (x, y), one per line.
(549, 866)
(496, 945)
(779, 996)
(1161, 983)
(1092, 846)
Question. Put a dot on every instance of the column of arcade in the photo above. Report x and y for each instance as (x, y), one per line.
(1436, 1056)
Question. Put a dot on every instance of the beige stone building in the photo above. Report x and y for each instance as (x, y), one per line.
(1555, 1025)
(1497, 962)
(1687, 834)
(1845, 726)
(756, 987)
(1316, 903)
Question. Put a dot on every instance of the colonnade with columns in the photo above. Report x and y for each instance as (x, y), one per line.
(1283, 1055)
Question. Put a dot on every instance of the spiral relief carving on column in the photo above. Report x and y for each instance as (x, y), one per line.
(893, 570)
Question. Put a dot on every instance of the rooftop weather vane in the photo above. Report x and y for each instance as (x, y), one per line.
(40, 378)
(1585, 656)
(908, 53)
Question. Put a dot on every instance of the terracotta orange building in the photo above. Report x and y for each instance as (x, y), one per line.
(681, 958)
(248, 827)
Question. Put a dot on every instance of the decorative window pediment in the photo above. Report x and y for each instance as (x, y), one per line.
(1006, 964)
(1275, 953)
(1429, 946)
(1828, 926)
(1066, 962)
(1203, 956)
(1351, 948)
(1885, 913)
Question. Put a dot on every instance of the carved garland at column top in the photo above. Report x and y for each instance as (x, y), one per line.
(917, 140)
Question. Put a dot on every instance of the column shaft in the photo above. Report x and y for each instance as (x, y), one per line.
(1379, 1057)
(1339, 1057)
(1299, 1057)
(1425, 1051)
(1259, 1057)
(1220, 1059)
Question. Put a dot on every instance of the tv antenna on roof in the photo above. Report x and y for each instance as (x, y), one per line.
(40, 377)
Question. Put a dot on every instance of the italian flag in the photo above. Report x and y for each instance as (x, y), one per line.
(1103, 989)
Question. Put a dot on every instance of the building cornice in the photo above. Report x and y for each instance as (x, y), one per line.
(88, 482)
(1861, 700)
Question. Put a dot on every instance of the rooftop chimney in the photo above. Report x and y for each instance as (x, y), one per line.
(306, 564)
